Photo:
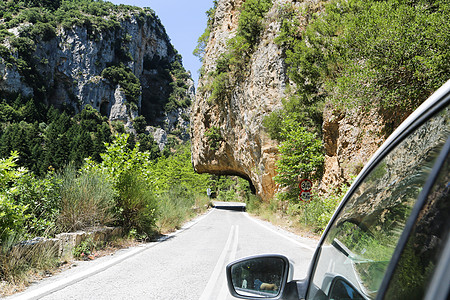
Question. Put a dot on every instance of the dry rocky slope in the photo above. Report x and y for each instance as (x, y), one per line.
(245, 148)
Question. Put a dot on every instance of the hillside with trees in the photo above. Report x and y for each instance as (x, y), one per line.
(84, 86)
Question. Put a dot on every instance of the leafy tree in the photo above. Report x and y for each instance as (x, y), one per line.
(139, 124)
(301, 154)
(135, 203)
(12, 215)
(176, 170)
(148, 144)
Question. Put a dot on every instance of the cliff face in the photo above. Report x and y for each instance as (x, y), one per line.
(244, 147)
(71, 65)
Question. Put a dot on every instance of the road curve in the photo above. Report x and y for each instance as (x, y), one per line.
(189, 264)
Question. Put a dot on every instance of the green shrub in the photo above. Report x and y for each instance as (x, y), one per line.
(174, 208)
(301, 155)
(127, 80)
(318, 211)
(177, 205)
(86, 248)
(139, 124)
(136, 203)
(213, 137)
(251, 18)
(12, 214)
(12, 218)
(87, 199)
(402, 65)
(253, 203)
(41, 197)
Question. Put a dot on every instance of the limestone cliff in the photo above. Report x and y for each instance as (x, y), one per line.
(71, 65)
(244, 148)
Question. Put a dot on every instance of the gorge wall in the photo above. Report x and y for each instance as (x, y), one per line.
(80, 66)
(244, 148)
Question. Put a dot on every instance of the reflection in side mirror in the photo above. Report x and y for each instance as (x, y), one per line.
(262, 276)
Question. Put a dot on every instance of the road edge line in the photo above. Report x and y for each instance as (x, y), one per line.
(280, 234)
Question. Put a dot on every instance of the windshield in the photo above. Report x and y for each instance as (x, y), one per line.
(361, 241)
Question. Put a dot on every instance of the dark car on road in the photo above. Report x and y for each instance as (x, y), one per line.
(389, 237)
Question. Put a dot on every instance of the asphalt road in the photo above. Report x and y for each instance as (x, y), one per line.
(189, 264)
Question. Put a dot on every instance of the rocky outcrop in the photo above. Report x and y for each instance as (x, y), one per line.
(350, 139)
(243, 147)
(63, 244)
(72, 62)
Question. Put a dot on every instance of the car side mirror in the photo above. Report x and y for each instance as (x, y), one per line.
(259, 277)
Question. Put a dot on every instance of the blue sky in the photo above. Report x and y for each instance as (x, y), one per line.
(184, 20)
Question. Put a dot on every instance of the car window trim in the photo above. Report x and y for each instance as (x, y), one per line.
(427, 110)
(437, 290)
(410, 223)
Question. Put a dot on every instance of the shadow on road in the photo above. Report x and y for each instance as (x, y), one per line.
(235, 206)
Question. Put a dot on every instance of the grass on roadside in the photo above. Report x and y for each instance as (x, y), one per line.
(177, 206)
(21, 264)
(302, 218)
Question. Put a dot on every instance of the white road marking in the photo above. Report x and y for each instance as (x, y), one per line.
(219, 269)
(224, 290)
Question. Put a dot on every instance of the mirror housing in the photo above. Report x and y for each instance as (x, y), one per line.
(259, 277)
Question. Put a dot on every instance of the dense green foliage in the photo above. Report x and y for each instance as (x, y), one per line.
(96, 15)
(179, 89)
(251, 18)
(52, 140)
(376, 59)
(301, 156)
(360, 53)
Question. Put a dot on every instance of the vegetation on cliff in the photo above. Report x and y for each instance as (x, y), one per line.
(355, 54)
(231, 66)
(29, 28)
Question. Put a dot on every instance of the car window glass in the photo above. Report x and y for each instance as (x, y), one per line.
(362, 239)
(423, 249)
